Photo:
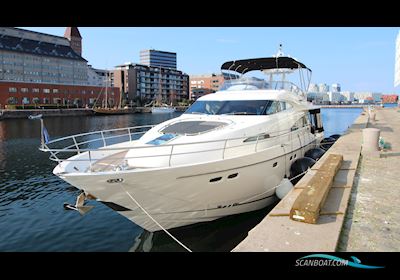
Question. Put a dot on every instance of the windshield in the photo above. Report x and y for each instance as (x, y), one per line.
(232, 107)
(244, 83)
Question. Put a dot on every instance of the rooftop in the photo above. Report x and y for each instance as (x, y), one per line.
(131, 64)
(153, 50)
(35, 32)
(72, 32)
(16, 44)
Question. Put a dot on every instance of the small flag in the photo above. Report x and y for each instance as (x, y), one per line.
(46, 136)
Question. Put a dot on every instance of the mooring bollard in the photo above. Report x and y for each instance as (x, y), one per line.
(372, 115)
(370, 140)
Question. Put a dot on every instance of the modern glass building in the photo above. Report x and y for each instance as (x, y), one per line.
(157, 58)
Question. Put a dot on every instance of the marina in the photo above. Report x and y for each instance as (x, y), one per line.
(145, 157)
(192, 169)
(112, 162)
(31, 204)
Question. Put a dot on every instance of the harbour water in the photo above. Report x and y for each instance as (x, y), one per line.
(32, 217)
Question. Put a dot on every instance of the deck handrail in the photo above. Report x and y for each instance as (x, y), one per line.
(98, 131)
(69, 149)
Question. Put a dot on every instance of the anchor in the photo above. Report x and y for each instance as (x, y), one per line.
(79, 204)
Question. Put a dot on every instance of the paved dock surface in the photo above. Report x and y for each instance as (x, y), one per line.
(277, 232)
(372, 223)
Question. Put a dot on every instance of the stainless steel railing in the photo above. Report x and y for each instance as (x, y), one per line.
(131, 133)
(53, 146)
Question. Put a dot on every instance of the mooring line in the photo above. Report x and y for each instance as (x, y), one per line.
(157, 223)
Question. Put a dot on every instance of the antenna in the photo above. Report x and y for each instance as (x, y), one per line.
(280, 52)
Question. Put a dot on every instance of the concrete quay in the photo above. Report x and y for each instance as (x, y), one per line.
(17, 114)
(372, 222)
(360, 213)
(24, 113)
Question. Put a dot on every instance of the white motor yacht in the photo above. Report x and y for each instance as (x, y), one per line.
(225, 155)
(165, 109)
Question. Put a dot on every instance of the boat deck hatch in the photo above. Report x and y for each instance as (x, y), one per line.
(192, 127)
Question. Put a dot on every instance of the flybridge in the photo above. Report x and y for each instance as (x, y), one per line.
(246, 65)
(251, 83)
(275, 68)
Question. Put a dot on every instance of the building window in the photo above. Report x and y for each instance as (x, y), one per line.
(25, 100)
(35, 90)
(24, 90)
(12, 100)
(55, 90)
(12, 89)
(46, 90)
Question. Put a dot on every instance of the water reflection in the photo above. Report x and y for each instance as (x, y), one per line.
(217, 236)
(32, 217)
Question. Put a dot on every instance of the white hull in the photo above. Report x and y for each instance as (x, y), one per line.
(162, 110)
(179, 196)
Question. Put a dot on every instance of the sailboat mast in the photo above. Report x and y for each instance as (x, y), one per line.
(120, 96)
(159, 98)
(106, 93)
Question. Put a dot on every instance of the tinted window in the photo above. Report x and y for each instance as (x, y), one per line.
(234, 107)
(273, 108)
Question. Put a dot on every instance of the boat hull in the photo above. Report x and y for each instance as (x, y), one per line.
(162, 110)
(184, 195)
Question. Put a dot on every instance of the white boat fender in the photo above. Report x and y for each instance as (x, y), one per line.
(283, 188)
(79, 205)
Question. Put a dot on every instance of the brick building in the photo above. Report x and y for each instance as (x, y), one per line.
(390, 98)
(42, 95)
(38, 68)
(204, 84)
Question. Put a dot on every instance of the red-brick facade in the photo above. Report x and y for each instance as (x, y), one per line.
(390, 98)
(14, 93)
